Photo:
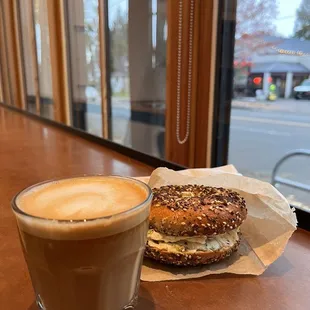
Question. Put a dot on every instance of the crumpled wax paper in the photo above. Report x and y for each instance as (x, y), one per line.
(265, 233)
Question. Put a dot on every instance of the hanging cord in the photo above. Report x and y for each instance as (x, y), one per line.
(179, 67)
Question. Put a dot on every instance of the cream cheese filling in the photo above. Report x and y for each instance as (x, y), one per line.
(192, 244)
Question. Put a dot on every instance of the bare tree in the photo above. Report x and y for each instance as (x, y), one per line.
(256, 16)
(119, 41)
(255, 19)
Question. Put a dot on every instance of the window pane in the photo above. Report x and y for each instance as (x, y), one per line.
(138, 34)
(29, 65)
(83, 25)
(44, 58)
(271, 107)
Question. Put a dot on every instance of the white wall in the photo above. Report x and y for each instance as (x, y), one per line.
(146, 83)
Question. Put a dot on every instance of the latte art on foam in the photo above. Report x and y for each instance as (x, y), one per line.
(82, 198)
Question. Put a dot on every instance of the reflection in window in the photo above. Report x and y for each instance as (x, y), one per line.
(83, 25)
(44, 59)
(138, 34)
(271, 107)
(29, 66)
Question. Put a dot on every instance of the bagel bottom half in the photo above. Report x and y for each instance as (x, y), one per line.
(189, 258)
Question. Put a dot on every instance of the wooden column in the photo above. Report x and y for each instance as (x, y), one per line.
(102, 6)
(59, 61)
(6, 85)
(11, 42)
(1, 87)
(19, 54)
(206, 58)
(199, 77)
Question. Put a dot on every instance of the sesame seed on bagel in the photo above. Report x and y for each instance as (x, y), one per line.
(194, 210)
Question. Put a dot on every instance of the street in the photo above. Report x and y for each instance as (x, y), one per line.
(260, 137)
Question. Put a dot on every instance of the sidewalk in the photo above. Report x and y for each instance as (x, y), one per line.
(281, 105)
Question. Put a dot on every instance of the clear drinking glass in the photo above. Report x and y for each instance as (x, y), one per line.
(91, 264)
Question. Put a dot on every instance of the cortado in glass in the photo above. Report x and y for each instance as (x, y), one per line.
(83, 239)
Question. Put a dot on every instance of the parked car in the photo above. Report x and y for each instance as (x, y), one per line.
(302, 91)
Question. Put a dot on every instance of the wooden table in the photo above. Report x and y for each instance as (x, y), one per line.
(31, 152)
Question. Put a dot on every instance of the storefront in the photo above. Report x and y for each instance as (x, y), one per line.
(284, 75)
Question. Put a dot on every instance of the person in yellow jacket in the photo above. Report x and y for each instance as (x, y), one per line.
(272, 96)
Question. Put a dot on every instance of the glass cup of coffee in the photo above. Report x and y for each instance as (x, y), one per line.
(83, 240)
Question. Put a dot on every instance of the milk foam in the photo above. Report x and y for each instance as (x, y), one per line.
(92, 199)
(82, 198)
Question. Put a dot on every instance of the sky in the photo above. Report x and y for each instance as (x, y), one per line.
(284, 22)
(287, 14)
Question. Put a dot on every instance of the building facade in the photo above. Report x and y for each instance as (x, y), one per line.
(284, 62)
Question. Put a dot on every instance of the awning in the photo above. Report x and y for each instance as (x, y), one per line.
(278, 67)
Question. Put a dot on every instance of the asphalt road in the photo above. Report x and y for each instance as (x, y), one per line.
(258, 139)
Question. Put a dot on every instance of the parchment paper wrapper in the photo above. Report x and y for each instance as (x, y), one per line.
(266, 231)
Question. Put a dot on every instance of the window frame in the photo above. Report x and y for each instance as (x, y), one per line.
(33, 54)
(211, 92)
